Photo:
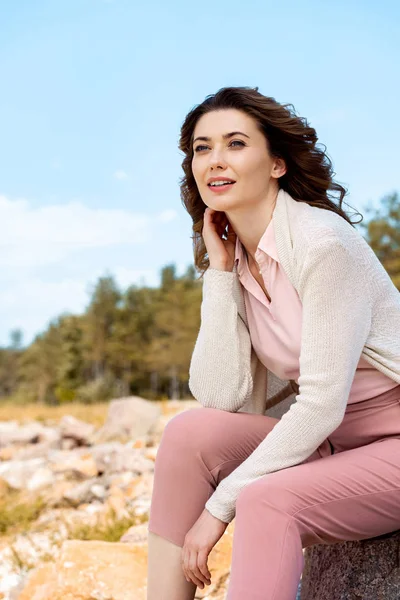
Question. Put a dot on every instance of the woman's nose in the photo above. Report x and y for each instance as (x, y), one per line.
(216, 160)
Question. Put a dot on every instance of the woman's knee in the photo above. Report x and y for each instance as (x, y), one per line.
(188, 428)
(272, 493)
(279, 499)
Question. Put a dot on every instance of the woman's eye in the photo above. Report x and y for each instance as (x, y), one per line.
(198, 148)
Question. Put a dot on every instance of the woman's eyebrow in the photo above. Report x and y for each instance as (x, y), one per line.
(225, 136)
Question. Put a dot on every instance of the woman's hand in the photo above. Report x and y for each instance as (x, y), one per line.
(199, 541)
(221, 252)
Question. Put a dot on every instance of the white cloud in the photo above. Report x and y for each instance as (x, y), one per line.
(31, 303)
(167, 215)
(46, 235)
(121, 175)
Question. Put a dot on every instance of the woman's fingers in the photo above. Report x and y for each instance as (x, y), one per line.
(202, 564)
(188, 571)
(194, 569)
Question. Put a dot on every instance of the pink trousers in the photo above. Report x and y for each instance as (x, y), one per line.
(348, 489)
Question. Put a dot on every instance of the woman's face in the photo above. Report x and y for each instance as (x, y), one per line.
(243, 157)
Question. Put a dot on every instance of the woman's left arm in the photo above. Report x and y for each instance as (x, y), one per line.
(337, 312)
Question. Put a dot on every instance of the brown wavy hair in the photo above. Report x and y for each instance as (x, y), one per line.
(309, 174)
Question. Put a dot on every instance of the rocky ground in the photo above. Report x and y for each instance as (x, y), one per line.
(91, 490)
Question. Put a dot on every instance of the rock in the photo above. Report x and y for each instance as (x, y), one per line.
(138, 534)
(68, 444)
(40, 583)
(117, 501)
(31, 433)
(116, 458)
(17, 473)
(365, 569)
(95, 570)
(128, 418)
(76, 430)
(9, 453)
(54, 496)
(103, 453)
(42, 477)
(140, 486)
(85, 492)
(129, 459)
(16, 590)
(39, 450)
(151, 453)
(82, 466)
(7, 426)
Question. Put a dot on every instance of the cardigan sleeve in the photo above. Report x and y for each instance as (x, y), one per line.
(220, 368)
(333, 287)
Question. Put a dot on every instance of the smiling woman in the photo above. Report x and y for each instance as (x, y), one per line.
(262, 146)
(296, 364)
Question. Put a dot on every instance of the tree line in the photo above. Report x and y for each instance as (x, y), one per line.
(140, 341)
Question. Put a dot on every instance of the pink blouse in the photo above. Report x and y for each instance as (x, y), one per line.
(275, 327)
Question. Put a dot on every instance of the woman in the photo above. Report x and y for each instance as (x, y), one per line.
(294, 299)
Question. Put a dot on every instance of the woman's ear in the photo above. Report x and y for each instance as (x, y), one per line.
(279, 168)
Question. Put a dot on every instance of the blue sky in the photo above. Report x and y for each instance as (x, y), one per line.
(93, 94)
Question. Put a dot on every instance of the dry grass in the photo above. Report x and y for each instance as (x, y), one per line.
(91, 413)
(109, 528)
(17, 513)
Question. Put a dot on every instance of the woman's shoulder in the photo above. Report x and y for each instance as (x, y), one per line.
(312, 226)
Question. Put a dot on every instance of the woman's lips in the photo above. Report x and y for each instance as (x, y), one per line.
(221, 188)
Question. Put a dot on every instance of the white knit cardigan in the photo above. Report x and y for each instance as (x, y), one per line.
(350, 307)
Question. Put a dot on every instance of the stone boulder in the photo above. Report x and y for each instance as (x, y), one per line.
(96, 570)
(127, 419)
(365, 569)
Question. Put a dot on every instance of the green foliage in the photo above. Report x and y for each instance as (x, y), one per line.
(97, 390)
(64, 395)
(382, 232)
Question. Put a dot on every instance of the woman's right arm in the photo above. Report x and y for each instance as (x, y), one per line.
(220, 369)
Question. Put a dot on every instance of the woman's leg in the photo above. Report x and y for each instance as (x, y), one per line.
(166, 580)
(199, 447)
(351, 495)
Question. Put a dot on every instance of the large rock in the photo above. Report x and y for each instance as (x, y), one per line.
(365, 570)
(96, 570)
(127, 419)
